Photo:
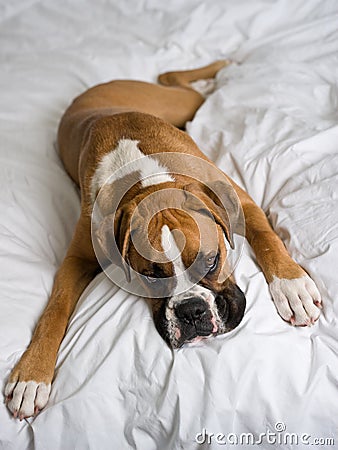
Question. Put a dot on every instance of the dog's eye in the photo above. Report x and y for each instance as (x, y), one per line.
(212, 263)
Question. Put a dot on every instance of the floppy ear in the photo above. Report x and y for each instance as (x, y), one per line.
(217, 198)
(114, 234)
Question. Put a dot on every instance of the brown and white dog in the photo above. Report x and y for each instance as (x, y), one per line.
(128, 133)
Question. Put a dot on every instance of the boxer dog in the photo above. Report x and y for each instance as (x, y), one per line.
(129, 133)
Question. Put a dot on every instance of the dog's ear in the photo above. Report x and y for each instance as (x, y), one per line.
(114, 234)
(217, 198)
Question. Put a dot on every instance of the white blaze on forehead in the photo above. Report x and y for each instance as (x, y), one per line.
(169, 244)
(172, 252)
(124, 160)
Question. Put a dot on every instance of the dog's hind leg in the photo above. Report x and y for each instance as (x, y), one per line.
(186, 78)
(183, 92)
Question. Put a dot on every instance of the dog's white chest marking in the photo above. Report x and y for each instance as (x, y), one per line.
(124, 160)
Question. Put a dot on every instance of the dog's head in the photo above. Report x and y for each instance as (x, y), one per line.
(175, 241)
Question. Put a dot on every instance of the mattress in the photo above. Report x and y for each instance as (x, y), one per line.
(271, 124)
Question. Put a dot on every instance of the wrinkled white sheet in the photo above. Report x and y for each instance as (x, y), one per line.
(271, 125)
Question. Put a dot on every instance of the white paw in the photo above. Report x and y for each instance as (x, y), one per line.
(25, 399)
(204, 86)
(297, 301)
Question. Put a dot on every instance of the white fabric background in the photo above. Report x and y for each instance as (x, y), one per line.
(271, 125)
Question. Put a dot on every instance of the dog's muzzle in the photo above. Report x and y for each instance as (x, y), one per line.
(197, 318)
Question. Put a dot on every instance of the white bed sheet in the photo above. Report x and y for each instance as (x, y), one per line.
(271, 125)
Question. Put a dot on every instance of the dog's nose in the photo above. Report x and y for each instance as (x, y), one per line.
(191, 309)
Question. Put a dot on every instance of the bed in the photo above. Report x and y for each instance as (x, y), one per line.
(271, 124)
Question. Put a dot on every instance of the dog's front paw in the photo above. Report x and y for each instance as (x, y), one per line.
(28, 388)
(26, 398)
(297, 300)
